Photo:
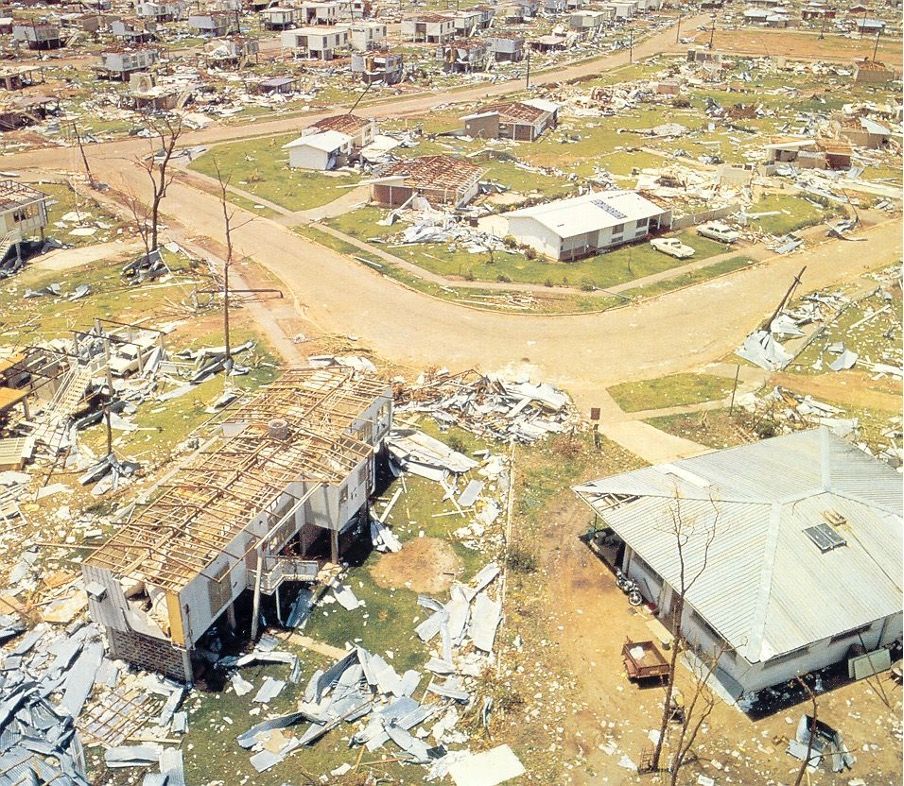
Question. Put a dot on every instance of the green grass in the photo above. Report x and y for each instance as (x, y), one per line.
(260, 167)
(601, 272)
(690, 278)
(714, 428)
(869, 339)
(794, 213)
(65, 200)
(671, 391)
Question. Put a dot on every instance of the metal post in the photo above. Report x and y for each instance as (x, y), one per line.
(278, 606)
(712, 32)
(631, 46)
(876, 47)
(109, 430)
(678, 30)
(334, 546)
(528, 67)
(256, 605)
(734, 390)
(230, 617)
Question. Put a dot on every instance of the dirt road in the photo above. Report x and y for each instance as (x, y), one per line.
(676, 332)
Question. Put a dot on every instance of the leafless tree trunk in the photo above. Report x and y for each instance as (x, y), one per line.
(140, 220)
(682, 531)
(695, 715)
(167, 132)
(806, 762)
(227, 263)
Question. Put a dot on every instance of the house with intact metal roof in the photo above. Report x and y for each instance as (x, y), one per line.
(593, 223)
(796, 543)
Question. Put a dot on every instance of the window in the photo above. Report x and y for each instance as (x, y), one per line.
(849, 634)
(642, 223)
(786, 657)
(710, 630)
(618, 229)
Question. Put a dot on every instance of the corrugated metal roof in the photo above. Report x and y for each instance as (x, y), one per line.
(767, 588)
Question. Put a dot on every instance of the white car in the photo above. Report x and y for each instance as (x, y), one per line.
(716, 230)
(125, 360)
(672, 246)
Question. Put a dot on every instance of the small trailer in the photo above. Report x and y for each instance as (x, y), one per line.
(644, 661)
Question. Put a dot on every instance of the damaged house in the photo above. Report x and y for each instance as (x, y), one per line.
(324, 12)
(161, 12)
(807, 153)
(441, 180)
(507, 47)
(214, 24)
(38, 35)
(286, 479)
(463, 56)
(586, 225)
(122, 64)
(378, 66)
(23, 214)
(331, 142)
(523, 121)
(802, 537)
(133, 30)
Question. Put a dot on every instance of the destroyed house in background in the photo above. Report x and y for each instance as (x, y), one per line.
(133, 30)
(378, 66)
(287, 477)
(331, 142)
(120, 65)
(797, 542)
(278, 18)
(21, 77)
(38, 35)
(441, 180)
(583, 226)
(365, 35)
(872, 72)
(809, 153)
(507, 47)
(215, 23)
(462, 56)
(523, 121)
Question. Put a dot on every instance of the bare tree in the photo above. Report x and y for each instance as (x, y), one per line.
(229, 228)
(682, 530)
(167, 132)
(811, 732)
(695, 714)
(141, 219)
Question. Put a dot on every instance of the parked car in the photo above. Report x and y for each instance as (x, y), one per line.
(125, 360)
(716, 230)
(672, 246)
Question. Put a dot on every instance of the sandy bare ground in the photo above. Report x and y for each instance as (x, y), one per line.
(424, 565)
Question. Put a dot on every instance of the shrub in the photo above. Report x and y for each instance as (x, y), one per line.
(520, 560)
(504, 279)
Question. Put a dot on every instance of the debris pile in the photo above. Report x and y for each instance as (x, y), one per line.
(488, 405)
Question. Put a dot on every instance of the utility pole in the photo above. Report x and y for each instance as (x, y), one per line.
(528, 67)
(630, 46)
(876, 47)
(822, 30)
(678, 30)
(712, 32)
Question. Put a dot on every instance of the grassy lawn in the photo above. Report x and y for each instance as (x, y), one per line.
(260, 166)
(689, 279)
(599, 272)
(793, 213)
(671, 391)
(92, 215)
(714, 428)
(876, 340)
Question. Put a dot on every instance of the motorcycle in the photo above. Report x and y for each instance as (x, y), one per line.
(629, 587)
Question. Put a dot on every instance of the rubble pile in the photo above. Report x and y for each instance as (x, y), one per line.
(364, 686)
(488, 405)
